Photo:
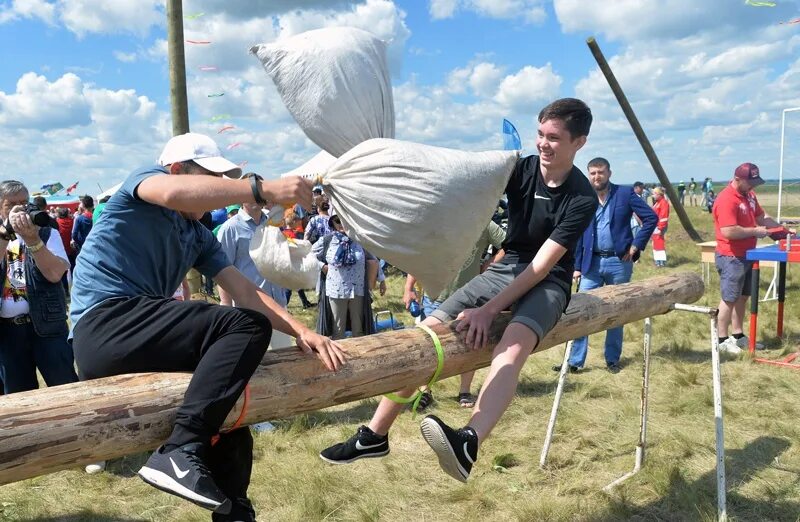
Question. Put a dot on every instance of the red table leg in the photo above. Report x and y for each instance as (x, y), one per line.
(754, 307)
(781, 295)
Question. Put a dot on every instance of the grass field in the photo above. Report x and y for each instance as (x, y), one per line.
(594, 442)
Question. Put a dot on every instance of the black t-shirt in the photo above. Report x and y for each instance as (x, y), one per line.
(537, 213)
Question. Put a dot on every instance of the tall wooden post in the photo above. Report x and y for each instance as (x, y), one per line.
(643, 141)
(177, 68)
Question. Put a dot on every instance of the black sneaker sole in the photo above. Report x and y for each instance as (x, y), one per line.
(162, 481)
(364, 456)
(437, 440)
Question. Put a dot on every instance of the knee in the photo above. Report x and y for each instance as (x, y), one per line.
(258, 326)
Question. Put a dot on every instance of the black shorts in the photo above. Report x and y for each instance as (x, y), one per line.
(539, 309)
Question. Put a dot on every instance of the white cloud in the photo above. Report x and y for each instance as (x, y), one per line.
(125, 57)
(122, 116)
(70, 126)
(630, 20)
(39, 104)
(531, 11)
(530, 87)
(36, 9)
(440, 9)
(250, 10)
(484, 79)
(380, 17)
(102, 16)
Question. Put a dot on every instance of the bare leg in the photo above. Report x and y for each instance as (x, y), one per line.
(466, 381)
(498, 389)
(737, 318)
(724, 319)
(388, 410)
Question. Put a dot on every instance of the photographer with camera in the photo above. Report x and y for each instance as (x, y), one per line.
(33, 311)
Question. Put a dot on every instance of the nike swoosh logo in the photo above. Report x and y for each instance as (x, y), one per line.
(537, 196)
(466, 454)
(180, 474)
(360, 446)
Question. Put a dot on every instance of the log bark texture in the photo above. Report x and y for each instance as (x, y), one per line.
(51, 429)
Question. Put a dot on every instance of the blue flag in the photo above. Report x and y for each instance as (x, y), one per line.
(511, 139)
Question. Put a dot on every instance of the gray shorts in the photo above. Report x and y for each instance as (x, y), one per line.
(735, 276)
(539, 309)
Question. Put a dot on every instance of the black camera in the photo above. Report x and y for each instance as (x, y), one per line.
(39, 217)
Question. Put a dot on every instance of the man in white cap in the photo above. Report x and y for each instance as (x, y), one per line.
(125, 321)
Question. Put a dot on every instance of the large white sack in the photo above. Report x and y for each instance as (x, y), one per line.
(287, 263)
(335, 83)
(421, 208)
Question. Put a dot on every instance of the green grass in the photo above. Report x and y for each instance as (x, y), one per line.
(593, 444)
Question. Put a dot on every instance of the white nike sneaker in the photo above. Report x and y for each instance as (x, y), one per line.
(730, 346)
(95, 468)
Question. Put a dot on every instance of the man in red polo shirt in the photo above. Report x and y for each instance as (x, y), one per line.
(738, 223)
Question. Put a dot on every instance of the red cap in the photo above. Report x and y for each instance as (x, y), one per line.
(748, 171)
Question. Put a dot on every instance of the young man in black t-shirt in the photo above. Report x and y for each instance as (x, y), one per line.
(550, 204)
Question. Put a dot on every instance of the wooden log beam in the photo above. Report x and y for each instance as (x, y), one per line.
(51, 429)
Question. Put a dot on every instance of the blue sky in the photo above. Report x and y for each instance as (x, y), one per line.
(84, 93)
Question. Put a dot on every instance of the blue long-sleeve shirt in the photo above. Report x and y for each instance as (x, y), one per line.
(81, 229)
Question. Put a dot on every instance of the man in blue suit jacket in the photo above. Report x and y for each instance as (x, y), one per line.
(607, 250)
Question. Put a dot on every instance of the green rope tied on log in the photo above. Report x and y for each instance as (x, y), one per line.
(414, 399)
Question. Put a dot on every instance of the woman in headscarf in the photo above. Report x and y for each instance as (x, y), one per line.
(347, 274)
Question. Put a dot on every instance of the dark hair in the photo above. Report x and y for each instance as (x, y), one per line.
(88, 201)
(40, 202)
(638, 184)
(334, 220)
(599, 162)
(325, 205)
(575, 114)
(105, 199)
(63, 212)
(192, 167)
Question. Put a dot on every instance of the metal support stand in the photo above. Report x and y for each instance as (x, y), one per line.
(722, 515)
(722, 509)
(648, 332)
(551, 426)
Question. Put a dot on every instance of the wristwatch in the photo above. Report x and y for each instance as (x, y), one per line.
(255, 179)
(36, 247)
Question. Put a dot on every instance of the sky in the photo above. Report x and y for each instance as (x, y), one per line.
(84, 84)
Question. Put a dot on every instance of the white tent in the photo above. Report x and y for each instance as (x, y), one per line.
(109, 192)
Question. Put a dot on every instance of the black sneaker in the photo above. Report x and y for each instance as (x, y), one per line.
(572, 369)
(614, 368)
(457, 449)
(182, 472)
(364, 444)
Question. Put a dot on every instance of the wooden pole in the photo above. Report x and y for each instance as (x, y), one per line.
(643, 141)
(51, 429)
(177, 68)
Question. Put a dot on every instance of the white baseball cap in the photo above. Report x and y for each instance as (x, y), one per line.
(202, 150)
